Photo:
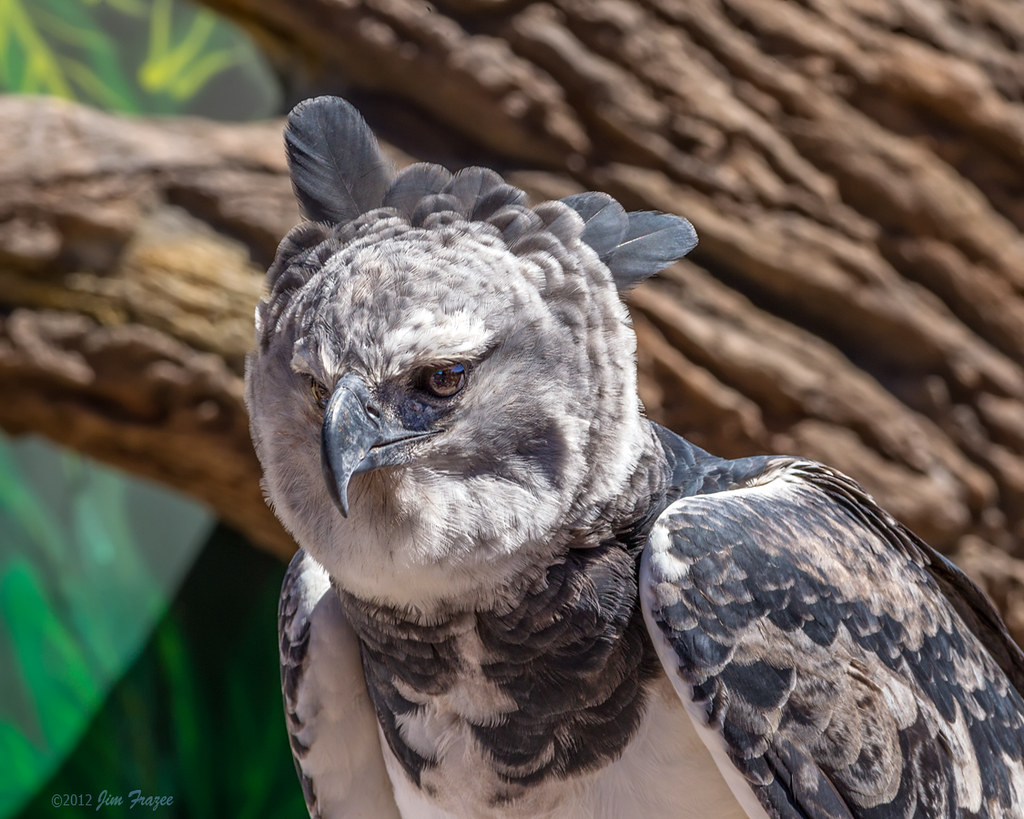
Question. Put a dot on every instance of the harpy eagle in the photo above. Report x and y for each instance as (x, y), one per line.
(518, 597)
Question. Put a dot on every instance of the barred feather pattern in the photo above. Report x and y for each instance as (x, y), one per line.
(807, 629)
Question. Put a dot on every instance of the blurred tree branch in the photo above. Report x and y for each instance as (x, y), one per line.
(128, 286)
(855, 172)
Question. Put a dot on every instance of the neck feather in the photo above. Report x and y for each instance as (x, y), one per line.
(558, 670)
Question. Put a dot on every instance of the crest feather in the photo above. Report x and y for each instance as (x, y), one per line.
(635, 246)
(339, 173)
(413, 184)
(337, 169)
(470, 185)
(652, 241)
(604, 221)
(435, 203)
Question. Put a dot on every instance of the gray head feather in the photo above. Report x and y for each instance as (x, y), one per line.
(413, 184)
(403, 274)
(604, 221)
(483, 192)
(336, 165)
(652, 242)
(635, 246)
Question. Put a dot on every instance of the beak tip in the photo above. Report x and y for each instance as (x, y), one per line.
(338, 492)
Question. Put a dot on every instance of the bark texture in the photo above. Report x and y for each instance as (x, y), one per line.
(854, 168)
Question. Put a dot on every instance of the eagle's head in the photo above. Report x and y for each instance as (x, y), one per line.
(443, 391)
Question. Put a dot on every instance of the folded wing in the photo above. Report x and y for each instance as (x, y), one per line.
(837, 666)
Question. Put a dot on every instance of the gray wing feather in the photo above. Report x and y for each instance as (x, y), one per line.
(331, 722)
(337, 169)
(812, 635)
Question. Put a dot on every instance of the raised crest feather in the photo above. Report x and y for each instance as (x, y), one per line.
(470, 185)
(475, 193)
(635, 246)
(604, 221)
(338, 173)
(652, 242)
(413, 184)
(337, 169)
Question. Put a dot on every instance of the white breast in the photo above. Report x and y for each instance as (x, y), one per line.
(666, 771)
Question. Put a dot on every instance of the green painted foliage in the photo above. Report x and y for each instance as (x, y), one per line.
(135, 652)
(101, 687)
(134, 56)
(89, 561)
(198, 716)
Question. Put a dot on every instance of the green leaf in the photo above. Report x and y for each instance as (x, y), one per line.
(188, 82)
(25, 512)
(136, 56)
(97, 89)
(21, 763)
(51, 664)
(88, 562)
(92, 57)
(190, 724)
(198, 717)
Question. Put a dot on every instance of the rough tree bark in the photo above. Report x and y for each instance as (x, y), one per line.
(855, 170)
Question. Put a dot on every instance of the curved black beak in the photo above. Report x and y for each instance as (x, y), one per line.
(355, 437)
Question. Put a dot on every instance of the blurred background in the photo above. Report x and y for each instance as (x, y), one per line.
(855, 172)
(137, 635)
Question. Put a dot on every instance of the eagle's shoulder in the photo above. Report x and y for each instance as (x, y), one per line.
(843, 667)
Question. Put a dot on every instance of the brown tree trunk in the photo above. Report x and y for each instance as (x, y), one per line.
(855, 171)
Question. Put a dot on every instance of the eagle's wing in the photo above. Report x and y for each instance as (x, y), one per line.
(833, 663)
(331, 722)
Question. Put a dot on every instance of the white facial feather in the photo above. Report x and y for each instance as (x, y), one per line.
(551, 389)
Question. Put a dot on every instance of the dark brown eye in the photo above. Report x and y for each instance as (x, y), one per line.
(320, 393)
(444, 382)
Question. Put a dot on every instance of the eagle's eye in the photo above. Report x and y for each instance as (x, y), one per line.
(320, 393)
(443, 382)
